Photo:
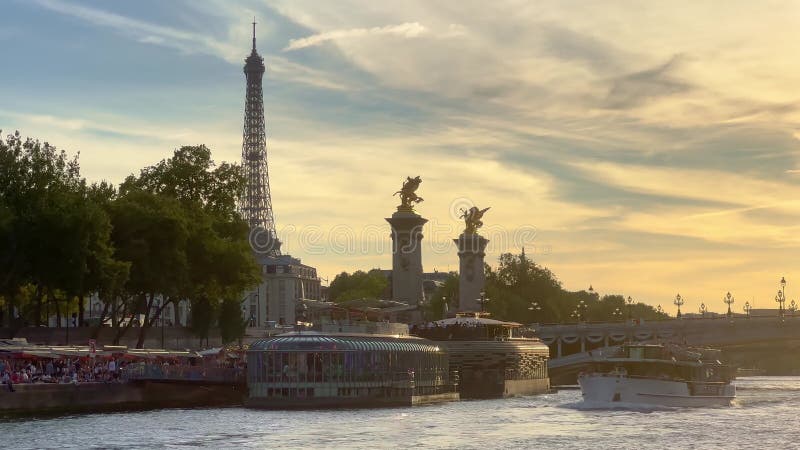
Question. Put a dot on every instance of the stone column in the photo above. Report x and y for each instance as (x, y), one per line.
(471, 276)
(407, 256)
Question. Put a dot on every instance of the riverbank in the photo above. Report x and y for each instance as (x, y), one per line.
(30, 399)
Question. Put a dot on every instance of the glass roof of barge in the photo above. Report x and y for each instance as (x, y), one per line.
(332, 342)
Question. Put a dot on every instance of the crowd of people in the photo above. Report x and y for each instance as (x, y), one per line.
(59, 370)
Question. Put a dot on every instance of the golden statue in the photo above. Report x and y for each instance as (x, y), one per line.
(472, 219)
(408, 196)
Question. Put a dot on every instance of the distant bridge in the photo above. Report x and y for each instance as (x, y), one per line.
(746, 338)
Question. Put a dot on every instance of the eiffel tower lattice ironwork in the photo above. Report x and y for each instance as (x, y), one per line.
(256, 202)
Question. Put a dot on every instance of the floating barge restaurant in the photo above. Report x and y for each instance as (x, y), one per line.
(492, 358)
(313, 370)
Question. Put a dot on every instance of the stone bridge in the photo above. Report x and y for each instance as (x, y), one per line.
(766, 342)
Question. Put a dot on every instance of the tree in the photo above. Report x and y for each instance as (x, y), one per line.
(217, 261)
(54, 237)
(518, 282)
(231, 324)
(151, 233)
(359, 285)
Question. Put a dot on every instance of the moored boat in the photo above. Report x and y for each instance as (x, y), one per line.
(659, 375)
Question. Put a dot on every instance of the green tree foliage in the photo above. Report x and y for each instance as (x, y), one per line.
(518, 283)
(231, 324)
(215, 258)
(55, 237)
(358, 285)
(171, 233)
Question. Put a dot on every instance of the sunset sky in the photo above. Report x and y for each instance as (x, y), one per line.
(647, 148)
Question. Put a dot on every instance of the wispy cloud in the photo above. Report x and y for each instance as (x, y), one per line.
(146, 32)
(403, 30)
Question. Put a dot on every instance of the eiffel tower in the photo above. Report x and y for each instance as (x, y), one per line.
(256, 202)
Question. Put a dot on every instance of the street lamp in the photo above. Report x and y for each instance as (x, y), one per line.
(792, 307)
(780, 299)
(659, 311)
(747, 309)
(630, 307)
(617, 313)
(729, 301)
(678, 302)
(782, 296)
(582, 307)
(703, 309)
(575, 315)
(534, 308)
(483, 301)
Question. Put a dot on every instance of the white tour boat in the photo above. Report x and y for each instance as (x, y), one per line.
(658, 375)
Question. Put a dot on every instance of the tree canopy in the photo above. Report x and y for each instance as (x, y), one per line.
(171, 233)
(358, 285)
(522, 291)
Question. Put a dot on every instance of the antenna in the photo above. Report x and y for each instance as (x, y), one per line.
(254, 32)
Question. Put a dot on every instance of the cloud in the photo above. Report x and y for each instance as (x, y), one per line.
(639, 87)
(654, 142)
(145, 32)
(404, 30)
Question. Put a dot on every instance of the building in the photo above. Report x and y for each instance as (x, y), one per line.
(285, 281)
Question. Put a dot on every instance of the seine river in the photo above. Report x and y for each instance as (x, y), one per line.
(765, 416)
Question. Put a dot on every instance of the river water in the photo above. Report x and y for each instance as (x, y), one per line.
(765, 416)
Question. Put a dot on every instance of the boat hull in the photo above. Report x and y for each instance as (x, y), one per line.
(619, 388)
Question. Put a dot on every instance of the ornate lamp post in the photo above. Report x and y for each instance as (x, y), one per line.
(575, 315)
(747, 309)
(729, 301)
(534, 308)
(792, 308)
(582, 307)
(630, 306)
(678, 302)
(779, 298)
(782, 296)
(483, 301)
(659, 311)
(617, 313)
(703, 310)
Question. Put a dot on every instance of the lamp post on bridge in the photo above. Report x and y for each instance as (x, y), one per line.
(582, 307)
(659, 311)
(483, 301)
(617, 313)
(703, 310)
(630, 307)
(534, 308)
(792, 308)
(678, 302)
(729, 300)
(747, 309)
(781, 297)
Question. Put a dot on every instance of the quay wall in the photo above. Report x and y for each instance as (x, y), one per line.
(513, 388)
(178, 338)
(96, 397)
